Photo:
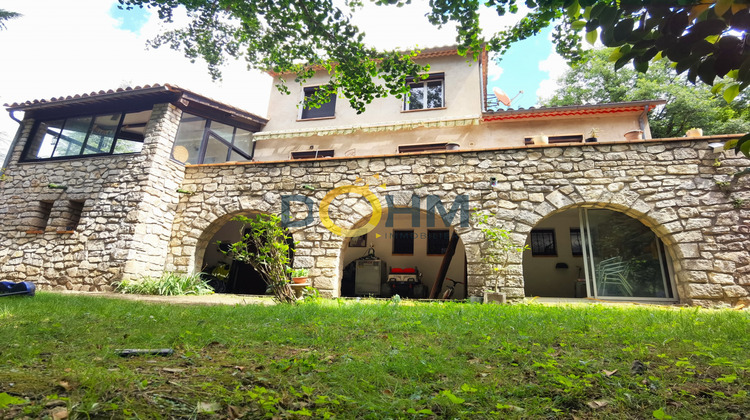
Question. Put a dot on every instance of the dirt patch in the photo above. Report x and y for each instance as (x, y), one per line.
(213, 299)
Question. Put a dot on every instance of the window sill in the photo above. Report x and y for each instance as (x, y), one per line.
(35, 232)
(62, 232)
(406, 111)
(316, 119)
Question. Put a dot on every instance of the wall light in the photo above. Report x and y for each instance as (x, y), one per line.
(716, 147)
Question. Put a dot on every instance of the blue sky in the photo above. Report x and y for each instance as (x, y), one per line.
(521, 70)
(130, 20)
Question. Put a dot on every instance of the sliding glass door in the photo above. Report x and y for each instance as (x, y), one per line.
(623, 258)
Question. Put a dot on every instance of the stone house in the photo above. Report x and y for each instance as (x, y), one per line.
(120, 184)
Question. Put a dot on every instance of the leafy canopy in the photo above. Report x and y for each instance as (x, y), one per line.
(706, 39)
(6, 15)
(688, 106)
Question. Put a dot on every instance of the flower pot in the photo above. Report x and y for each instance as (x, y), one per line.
(540, 139)
(299, 280)
(592, 140)
(494, 297)
(634, 135)
(694, 132)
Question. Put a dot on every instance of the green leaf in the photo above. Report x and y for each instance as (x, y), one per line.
(468, 388)
(731, 92)
(8, 400)
(717, 88)
(661, 415)
(452, 398)
(591, 37)
(578, 25)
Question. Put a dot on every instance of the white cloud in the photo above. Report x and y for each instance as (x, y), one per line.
(494, 71)
(555, 66)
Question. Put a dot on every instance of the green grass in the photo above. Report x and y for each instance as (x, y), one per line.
(373, 360)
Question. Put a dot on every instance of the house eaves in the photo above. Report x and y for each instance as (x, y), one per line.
(102, 101)
(570, 111)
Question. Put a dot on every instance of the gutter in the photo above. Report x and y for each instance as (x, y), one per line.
(642, 119)
(14, 142)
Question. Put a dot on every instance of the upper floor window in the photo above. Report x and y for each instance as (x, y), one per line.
(426, 93)
(326, 110)
(115, 133)
(200, 140)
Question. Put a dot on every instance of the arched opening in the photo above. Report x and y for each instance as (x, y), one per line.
(225, 274)
(597, 253)
(404, 257)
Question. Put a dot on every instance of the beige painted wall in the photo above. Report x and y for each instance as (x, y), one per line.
(462, 97)
(541, 278)
(483, 136)
(428, 264)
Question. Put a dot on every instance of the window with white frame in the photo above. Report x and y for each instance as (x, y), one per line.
(428, 93)
(325, 110)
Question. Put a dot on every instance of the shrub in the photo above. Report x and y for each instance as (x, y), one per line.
(169, 284)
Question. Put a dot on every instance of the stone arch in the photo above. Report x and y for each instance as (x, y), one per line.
(468, 242)
(664, 222)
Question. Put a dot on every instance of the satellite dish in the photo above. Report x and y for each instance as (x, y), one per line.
(501, 96)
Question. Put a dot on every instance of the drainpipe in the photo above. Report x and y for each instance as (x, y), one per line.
(642, 120)
(252, 152)
(15, 140)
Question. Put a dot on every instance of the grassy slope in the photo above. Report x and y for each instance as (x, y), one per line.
(377, 360)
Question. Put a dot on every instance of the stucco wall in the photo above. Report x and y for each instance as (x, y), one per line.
(126, 221)
(462, 97)
(670, 186)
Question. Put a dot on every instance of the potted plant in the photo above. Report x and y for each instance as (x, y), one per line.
(694, 132)
(500, 250)
(592, 136)
(633, 135)
(299, 275)
(540, 139)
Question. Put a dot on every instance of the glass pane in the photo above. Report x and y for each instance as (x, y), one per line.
(187, 144)
(72, 137)
(416, 96)
(327, 109)
(44, 140)
(134, 125)
(243, 140)
(130, 138)
(625, 256)
(102, 134)
(236, 157)
(435, 94)
(216, 151)
(128, 146)
(222, 130)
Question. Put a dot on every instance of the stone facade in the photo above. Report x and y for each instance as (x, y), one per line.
(126, 207)
(670, 186)
(86, 223)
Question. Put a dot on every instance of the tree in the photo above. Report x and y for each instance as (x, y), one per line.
(705, 38)
(266, 247)
(596, 81)
(5, 16)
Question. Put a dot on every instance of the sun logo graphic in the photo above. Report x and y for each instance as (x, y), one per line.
(434, 207)
(364, 191)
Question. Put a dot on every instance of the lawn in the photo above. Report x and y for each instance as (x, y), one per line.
(371, 360)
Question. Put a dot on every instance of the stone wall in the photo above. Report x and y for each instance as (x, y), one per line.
(125, 206)
(670, 186)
